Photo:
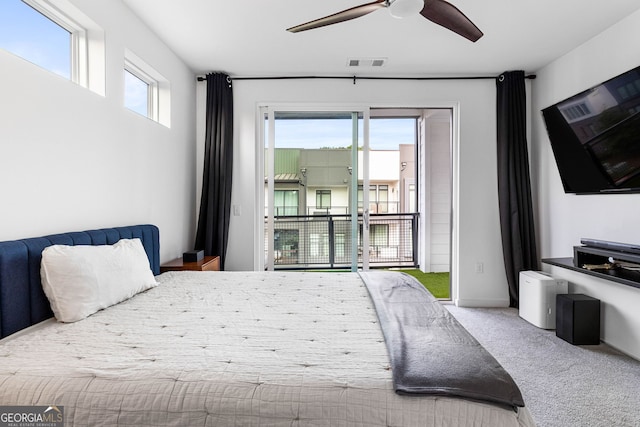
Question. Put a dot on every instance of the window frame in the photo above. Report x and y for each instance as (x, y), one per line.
(286, 208)
(87, 66)
(79, 39)
(320, 197)
(159, 88)
(152, 88)
(382, 200)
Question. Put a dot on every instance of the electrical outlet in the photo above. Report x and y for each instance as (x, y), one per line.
(479, 267)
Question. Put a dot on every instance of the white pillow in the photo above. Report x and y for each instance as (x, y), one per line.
(80, 280)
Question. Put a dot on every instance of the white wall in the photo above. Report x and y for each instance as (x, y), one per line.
(478, 238)
(71, 160)
(563, 219)
(438, 181)
(384, 165)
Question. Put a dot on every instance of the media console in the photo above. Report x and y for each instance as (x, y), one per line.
(618, 262)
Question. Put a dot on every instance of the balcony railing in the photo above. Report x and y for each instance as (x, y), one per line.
(324, 241)
(374, 208)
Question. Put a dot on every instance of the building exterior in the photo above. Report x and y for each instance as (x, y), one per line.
(312, 193)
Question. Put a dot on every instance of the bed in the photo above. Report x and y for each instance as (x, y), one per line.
(243, 348)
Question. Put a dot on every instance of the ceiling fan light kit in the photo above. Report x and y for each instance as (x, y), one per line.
(405, 8)
(440, 12)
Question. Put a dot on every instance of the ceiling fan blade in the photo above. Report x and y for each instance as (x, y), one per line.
(444, 13)
(345, 15)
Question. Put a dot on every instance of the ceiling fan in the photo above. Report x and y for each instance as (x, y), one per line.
(439, 11)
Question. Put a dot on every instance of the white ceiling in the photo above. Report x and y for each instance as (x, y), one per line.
(248, 37)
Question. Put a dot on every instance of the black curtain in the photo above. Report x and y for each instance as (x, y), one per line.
(215, 206)
(514, 185)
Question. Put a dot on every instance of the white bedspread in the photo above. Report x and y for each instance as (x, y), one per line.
(224, 349)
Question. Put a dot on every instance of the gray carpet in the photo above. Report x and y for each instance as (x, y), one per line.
(563, 385)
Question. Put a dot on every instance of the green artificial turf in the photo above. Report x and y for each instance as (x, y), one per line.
(436, 283)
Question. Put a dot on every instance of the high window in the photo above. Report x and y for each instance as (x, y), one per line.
(140, 92)
(146, 91)
(28, 33)
(56, 36)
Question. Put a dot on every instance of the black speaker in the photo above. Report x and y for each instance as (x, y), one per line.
(193, 256)
(578, 319)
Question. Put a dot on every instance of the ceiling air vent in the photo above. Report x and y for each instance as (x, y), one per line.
(366, 62)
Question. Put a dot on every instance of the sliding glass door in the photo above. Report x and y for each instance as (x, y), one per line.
(315, 217)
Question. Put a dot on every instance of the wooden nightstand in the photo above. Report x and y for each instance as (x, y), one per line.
(209, 263)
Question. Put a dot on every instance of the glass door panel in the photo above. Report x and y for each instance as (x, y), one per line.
(311, 178)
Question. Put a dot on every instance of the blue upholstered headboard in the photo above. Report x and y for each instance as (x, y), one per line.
(22, 300)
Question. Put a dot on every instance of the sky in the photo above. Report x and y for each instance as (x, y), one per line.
(384, 134)
(34, 37)
(42, 47)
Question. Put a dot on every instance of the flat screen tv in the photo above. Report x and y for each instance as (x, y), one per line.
(595, 137)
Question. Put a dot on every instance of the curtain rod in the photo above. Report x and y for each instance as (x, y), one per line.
(355, 78)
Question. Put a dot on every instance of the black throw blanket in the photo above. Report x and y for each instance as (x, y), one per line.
(430, 352)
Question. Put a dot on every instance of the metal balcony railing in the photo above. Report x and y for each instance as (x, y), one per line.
(324, 241)
(374, 208)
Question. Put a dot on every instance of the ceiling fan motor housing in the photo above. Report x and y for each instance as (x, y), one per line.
(405, 8)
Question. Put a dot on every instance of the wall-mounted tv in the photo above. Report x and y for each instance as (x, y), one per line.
(595, 137)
